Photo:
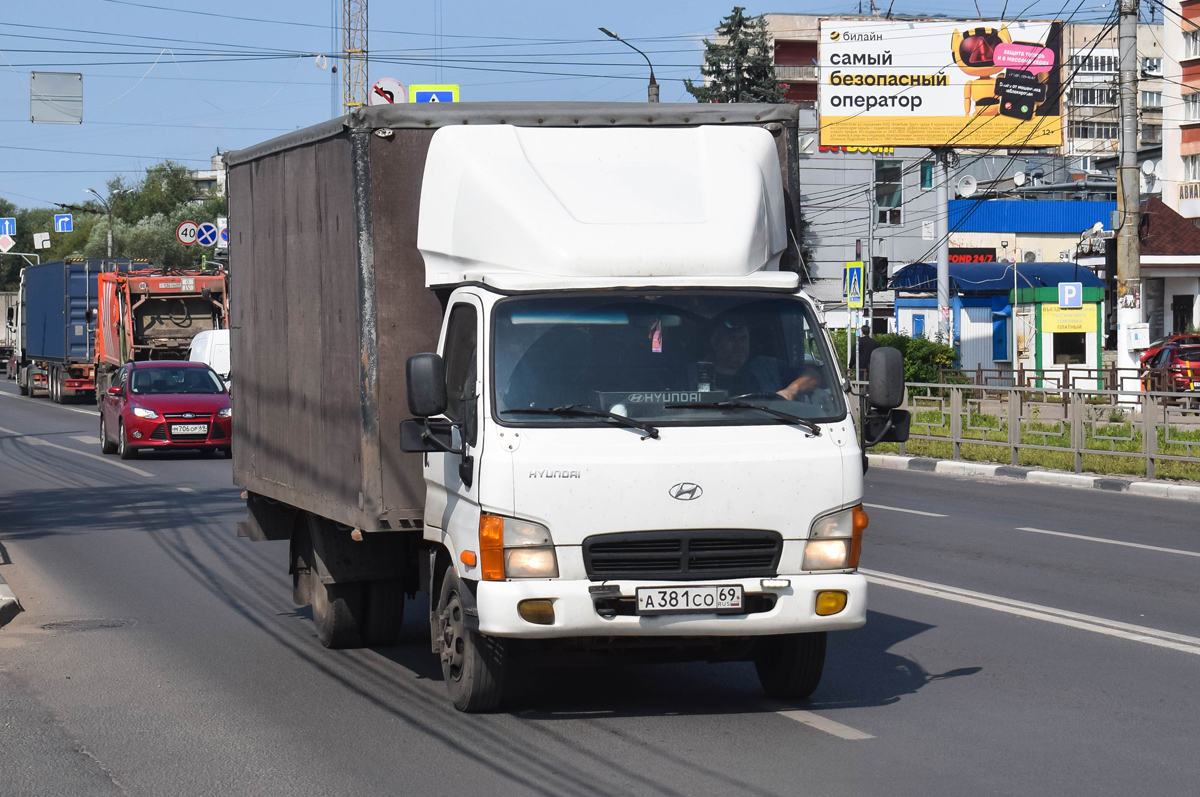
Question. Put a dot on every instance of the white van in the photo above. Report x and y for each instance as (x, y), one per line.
(211, 347)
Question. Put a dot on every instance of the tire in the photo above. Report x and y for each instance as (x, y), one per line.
(124, 450)
(106, 445)
(789, 666)
(473, 665)
(336, 608)
(52, 385)
(384, 611)
(22, 385)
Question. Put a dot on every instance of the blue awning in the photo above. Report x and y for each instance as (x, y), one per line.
(991, 278)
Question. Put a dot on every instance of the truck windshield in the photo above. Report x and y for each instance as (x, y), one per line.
(663, 358)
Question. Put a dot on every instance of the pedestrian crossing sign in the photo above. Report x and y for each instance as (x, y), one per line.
(852, 284)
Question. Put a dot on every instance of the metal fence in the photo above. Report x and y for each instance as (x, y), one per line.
(1051, 423)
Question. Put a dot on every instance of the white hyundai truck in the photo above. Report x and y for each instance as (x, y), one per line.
(554, 365)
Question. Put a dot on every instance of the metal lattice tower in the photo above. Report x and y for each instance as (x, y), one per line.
(354, 54)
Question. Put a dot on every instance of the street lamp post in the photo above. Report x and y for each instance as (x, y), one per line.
(652, 88)
(108, 209)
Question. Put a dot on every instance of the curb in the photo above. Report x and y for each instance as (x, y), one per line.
(10, 607)
(1170, 490)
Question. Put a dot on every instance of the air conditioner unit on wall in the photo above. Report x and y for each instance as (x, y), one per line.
(1032, 256)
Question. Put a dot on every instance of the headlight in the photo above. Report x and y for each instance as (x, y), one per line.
(512, 548)
(142, 412)
(835, 540)
(225, 413)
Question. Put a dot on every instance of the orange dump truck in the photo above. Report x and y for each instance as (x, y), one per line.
(153, 315)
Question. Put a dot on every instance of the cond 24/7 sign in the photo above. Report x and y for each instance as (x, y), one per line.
(941, 83)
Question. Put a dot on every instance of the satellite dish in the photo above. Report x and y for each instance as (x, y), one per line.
(967, 185)
(1019, 179)
(1148, 167)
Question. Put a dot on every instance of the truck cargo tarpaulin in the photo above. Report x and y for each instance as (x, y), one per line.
(945, 83)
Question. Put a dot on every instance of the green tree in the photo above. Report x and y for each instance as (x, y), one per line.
(740, 65)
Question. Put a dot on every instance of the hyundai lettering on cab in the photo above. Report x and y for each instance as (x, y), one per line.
(165, 405)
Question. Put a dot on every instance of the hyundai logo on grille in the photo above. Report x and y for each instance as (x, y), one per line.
(686, 491)
(189, 415)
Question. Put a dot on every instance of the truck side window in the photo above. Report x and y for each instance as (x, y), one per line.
(460, 354)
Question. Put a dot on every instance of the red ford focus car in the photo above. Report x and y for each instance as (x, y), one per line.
(165, 405)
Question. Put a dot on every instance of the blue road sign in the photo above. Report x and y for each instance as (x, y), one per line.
(435, 96)
(63, 222)
(852, 284)
(8, 226)
(206, 235)
(1070, 294)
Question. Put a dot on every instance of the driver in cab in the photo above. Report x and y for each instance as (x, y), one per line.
(735, 371)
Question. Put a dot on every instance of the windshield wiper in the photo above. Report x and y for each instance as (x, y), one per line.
(813, 429)
(588, 411)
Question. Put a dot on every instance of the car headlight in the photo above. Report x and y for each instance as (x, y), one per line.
(513, 548)
(835, 540)
(142, 412)
(225, 413)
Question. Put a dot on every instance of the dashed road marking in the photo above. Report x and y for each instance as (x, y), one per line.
(37, 441)
(90, 439)
(1125, 543)
(1085, 622)
(825, 724)
(906, 511)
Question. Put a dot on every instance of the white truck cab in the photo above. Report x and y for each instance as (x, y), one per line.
(634, 427)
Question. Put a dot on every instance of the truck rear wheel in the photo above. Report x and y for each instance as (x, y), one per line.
(336, 608)
(473, 665)
(790, 666)
(22, 384)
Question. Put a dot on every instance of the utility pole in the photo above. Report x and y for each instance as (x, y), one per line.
(354, 54)
(1129, 267)
(941, 179)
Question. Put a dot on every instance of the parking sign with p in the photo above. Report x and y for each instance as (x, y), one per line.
(1070, 294)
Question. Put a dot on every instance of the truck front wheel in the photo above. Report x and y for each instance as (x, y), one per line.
(473, 665)
(789, 666)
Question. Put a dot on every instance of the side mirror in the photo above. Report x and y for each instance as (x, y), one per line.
(12, 315)
(419, 436)
(885, 386)
(88, 315)
(426, 377)
(114, 391)
(892, 427)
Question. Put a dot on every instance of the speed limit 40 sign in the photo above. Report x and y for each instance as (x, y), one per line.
(186, 232)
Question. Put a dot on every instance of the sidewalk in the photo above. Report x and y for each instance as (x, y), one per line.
(1153, 489)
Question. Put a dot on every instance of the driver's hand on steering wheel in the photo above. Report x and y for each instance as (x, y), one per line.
(808, 381)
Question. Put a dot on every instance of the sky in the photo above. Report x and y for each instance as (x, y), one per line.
(168, 79)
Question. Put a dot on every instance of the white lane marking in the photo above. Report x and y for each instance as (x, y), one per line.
(49, 403)
(824, 724)
(908, 511)
(37, 441)
(185, 489)
(1110, 542)
(90, 439)
(1085, 622)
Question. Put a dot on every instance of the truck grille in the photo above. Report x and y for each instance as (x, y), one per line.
(682, 555)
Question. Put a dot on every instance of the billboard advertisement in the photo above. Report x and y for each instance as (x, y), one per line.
(941, 83)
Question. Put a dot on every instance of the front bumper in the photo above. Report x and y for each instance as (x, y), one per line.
(157, 433)
(575, 611)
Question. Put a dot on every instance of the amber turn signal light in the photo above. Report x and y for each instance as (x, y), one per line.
(830, 602)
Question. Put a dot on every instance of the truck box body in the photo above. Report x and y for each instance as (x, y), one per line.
(8, 336)
(333, 297)
(58, 297)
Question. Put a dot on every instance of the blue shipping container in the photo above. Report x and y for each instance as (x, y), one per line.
(58, 297)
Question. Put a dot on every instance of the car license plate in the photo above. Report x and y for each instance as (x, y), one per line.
(189, 428)
(682, 600)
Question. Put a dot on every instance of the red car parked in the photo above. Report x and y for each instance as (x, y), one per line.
(1175, 368)
(1170, 340)
(157, 404)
